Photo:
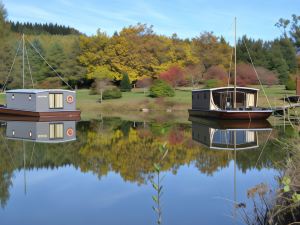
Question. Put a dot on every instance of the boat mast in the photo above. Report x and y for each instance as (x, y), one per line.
(234, 92)
(23, 71)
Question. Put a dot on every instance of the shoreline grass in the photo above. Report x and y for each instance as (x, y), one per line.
(131, 103)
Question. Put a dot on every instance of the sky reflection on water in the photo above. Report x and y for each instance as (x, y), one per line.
(103, 177)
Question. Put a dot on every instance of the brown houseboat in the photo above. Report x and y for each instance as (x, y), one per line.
(233, 103)
(218, 103)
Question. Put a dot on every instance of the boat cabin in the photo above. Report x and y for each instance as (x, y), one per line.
(222, 98)
(41, 100)
(46, 132)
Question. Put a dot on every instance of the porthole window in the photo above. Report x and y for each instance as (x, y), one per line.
(13, 96)
(29, 97)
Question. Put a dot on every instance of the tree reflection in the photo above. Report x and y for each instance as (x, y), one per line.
(126, 148)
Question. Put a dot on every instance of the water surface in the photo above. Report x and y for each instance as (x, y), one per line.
(103, 177)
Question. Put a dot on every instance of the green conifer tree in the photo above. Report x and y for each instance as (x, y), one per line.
(125, 84)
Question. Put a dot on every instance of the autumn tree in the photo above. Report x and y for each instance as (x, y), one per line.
(102, 76)
(217, 73)
(174, 76)
(245, 75)
(144, 83)
(212, 50)
(194, 74)
(266, 76)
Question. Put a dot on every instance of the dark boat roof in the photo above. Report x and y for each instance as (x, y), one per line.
(226, 88)
(36, 91)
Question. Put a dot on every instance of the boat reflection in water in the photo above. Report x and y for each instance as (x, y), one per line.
(228, 135)
(50, 132)
(46, 132)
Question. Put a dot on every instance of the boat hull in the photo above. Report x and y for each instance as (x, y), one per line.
(232, 114)
(232, 124)
(38, 116)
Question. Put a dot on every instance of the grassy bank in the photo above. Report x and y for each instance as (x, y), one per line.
(131, 103)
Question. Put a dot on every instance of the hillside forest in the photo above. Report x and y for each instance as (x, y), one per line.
(141, 55)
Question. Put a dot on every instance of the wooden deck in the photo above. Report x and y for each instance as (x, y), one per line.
(22, 115)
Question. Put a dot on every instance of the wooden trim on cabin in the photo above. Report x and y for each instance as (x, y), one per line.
(42, 116)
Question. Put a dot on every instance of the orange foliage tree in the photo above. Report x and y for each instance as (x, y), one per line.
(216, 72)
(245, 75)
(174, 76)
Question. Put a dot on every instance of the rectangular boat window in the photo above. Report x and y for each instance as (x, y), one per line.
(56, 101)
(56, 130)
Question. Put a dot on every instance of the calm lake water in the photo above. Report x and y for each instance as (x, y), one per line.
(103, 177)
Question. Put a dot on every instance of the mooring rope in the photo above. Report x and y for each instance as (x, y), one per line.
(257, 74)
(29, 68)
(57, 74)
(12, 66)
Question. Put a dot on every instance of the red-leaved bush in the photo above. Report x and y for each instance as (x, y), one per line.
(176, 136)
(266, 76)
(144, 83)
(216, 73)
(245, 75)
(174, 76)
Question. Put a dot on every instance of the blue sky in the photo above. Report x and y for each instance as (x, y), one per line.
(187, 18)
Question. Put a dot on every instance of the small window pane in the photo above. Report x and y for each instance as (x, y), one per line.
(51, 101)
(55, 101)
(56, 131)
(58, 100)
(51, 131)
(59, 131)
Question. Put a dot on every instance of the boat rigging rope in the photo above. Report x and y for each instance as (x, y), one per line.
(257, 74)
(228, 78)
(230, 64)
(262, 150)
(29, 68)
(57, 74)
(12, 66)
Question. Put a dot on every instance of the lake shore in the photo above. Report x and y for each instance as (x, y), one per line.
(132, 103)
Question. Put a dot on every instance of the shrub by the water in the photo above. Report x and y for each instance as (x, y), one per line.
(212, 83)
(112, 93)
(161, 89)
(290, 84)
(125, 84)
